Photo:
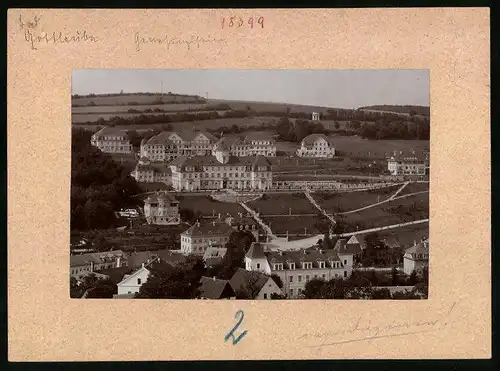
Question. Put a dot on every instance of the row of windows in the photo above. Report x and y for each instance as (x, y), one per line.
(200, 240)
(223, 175)
(307, 265)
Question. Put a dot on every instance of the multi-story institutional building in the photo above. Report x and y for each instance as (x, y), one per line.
(404, 165)
(151, 172)
(316, 145)
(221, 171)
(112, 140)
(416, 257)
(162, 208)
(253, 144)
(81, 265)
(200, 236)
(296, 268)
(168, 145)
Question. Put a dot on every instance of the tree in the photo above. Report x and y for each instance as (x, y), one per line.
(277, 280)
(250, 288)
(102, 289)
(313, 289)
(394, 276)
(275, 296)
(74, 289)
(336, 125)
(381, 294)
(412, 280)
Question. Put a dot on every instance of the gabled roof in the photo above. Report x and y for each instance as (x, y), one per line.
(111, 131)
(408, 157)
(360, 238)
(135, 259)
(241, 277)
(199, 161)
(216, 228)
(162, 195)
(258, 135)
(343, 248)
(256, 251)
(128, 277)
(156, 167)
(214, 288)
(162, 138)
(311, 138)
(214, 252)
(189, 136)
(421, 247)
(226, 143)
(311, 254)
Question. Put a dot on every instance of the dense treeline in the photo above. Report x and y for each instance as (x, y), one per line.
(211, 107)
(407, 109)
(397, 129)
(295, 131)
(99, 186)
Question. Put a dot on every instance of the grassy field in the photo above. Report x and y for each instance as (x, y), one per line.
(298, 224)
(414, 187)
(339, 202)
(125, 99)
(268, 106)
(93, 117)
(399, 211)
(407, 235)
(353, 146)
(124, 109)
(281, 204)
(209, 207)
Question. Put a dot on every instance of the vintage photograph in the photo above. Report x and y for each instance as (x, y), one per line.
(250, 184)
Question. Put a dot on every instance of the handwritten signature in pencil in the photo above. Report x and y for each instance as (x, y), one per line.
(368, 331)
(189, 43)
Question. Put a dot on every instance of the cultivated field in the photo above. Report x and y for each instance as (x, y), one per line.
(134, 98)
(308, 225)
(124, 109)
(93, 117)
(268, 106)
(340, 202)
(209, 207)
(283, 204)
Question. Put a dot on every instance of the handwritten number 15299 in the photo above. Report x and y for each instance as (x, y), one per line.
(238, 22)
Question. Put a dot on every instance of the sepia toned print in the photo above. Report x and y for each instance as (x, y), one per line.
(286, 185)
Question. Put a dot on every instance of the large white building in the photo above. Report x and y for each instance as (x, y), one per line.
(413, 165)
(416, 257)
(253, 144)
(296, 268)
(112, 140)
(151, 172)
(221, 171)
(316, 145)
(201, 236)
(168, 145)
(162, 209)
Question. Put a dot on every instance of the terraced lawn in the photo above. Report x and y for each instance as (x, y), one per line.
(296, 224)
(341, 202)
(282, 204)
(208, 207)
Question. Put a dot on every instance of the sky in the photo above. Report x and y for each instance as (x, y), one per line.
(328, 88)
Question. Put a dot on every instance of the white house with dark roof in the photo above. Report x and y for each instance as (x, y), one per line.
(416, 257)
(200, 236)
(316, 145)
(296, 268)
(151, 172)
(162, 208)
(112, 140)
(221, 171)
(400, 164)
(254, 284)
(349, 254)
(252, 144)
(168, 145)
(131, 283)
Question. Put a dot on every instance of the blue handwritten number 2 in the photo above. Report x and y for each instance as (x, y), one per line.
(231, 333)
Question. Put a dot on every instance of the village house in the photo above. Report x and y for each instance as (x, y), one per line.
(214, 288)
(253, 144)
(221, 171)
(200, 236)
(416, 257)
(244, 223)
(407, 165)
(112, 140)
(151, 172)
(384, 252)
(253, 285)
(168, 145)
(81, 265)
(296, 268)
(214, 255)
(162, 208)
(131, 283)
(316, 145)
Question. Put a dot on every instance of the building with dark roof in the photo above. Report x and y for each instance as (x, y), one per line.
(416, 257)
(112, 140)
(168, 145)
(297, 267)
(81, 265)
(162, 208)
(151, 172)
(316, 145)
(253, 285)
(252, 144)
(221, 171)
(413, 165)
(214, 288)
(202, 235)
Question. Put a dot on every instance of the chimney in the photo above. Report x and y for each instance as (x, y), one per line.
(197, 224)
(414, 242)
(219, 215)
(142, 265)
(213, 278)
(280, 252)
(240, 215)
(321, 251)
(118, 261)
(91, 266)
(213, 223)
